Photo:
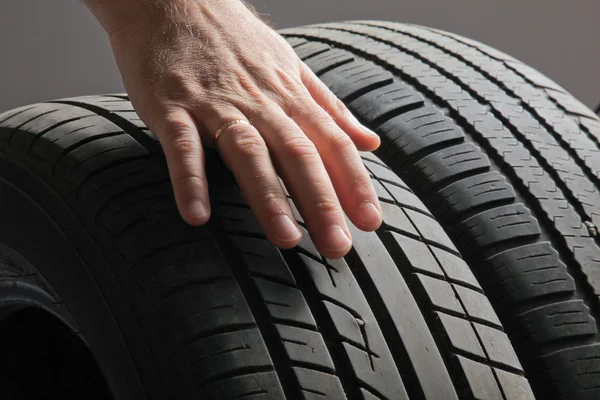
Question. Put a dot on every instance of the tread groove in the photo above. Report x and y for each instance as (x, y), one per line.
(128, 127)
(389, 331)
(17, 113)
(259, 310)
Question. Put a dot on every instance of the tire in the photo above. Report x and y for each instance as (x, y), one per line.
(171, 311)
(505, 159)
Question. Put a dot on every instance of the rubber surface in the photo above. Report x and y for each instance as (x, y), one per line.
(505, 159)
(216, 312)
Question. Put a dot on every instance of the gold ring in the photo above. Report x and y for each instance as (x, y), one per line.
(228, 125)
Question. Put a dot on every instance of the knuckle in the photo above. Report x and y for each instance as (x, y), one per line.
(325, 205)
(273, 199)
(177, 125)
(183, 140)
(181, 135)
(289, 81)
(362, 184)
(338, 104)
(247, 85)
(294, 99)
(340, 140)
(310, 112)
(183, 144)
(297, 146)
(246, 141)
(190, 179)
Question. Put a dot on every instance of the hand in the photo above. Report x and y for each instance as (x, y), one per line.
(189, 66)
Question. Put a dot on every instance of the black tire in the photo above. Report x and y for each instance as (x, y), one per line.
(505, 159)
(216, 312)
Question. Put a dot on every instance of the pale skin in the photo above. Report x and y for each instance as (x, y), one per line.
(190, 66)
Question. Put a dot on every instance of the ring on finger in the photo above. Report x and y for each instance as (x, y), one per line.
(227, 125)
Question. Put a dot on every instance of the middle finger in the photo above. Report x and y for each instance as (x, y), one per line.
(301, 168)
(342, 161)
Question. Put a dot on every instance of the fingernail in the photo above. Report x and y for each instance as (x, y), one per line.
(368, 131)
(369, 215)
(364, 128)
(285, 229)
(197, 210)
(336, 239)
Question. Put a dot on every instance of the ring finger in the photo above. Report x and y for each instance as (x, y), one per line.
(245, 153)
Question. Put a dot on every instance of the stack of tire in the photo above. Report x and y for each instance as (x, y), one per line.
(482, 282)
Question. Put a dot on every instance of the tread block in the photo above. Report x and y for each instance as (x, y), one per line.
(472, 192)
(346, 324)
(409, 136)
(461, 334)
(132, 117)
(311, 49)
(583, 372)
(496, 225)
(221, 354)
(387, 101)
(455, 267)
(236, 219)
(49, 122)
(372, 362)
(295, 42)
(256, 386)
(405, 198)
(187, 311)
(570, 103)
(497, 346)
(120, 211)
(26, 116)
(384, 173)
(319, 385)
(441, 294)
(429, 229)
(528, 272)
(432, 170)
(418, 255)
(481, 380)
(382, 193)
(305, 346)
(262, 258)
(191, 264)
(329, 60)
(143, 237)
(353, 78)
(514, 386)
(397, 219)
(107, 183)
(477, 305)
(97, 154)
(284, 302)
(557, 321)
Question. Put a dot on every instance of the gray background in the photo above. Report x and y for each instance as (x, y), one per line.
(54, 48)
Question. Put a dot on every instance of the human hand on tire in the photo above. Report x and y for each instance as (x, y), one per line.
(191, 66)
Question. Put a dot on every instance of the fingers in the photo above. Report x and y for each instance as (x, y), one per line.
(245, 153)
(300, 165)
(363, 137)
(178, 136)
(343, 163)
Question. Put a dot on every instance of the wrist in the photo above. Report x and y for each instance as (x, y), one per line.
(116, 15)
